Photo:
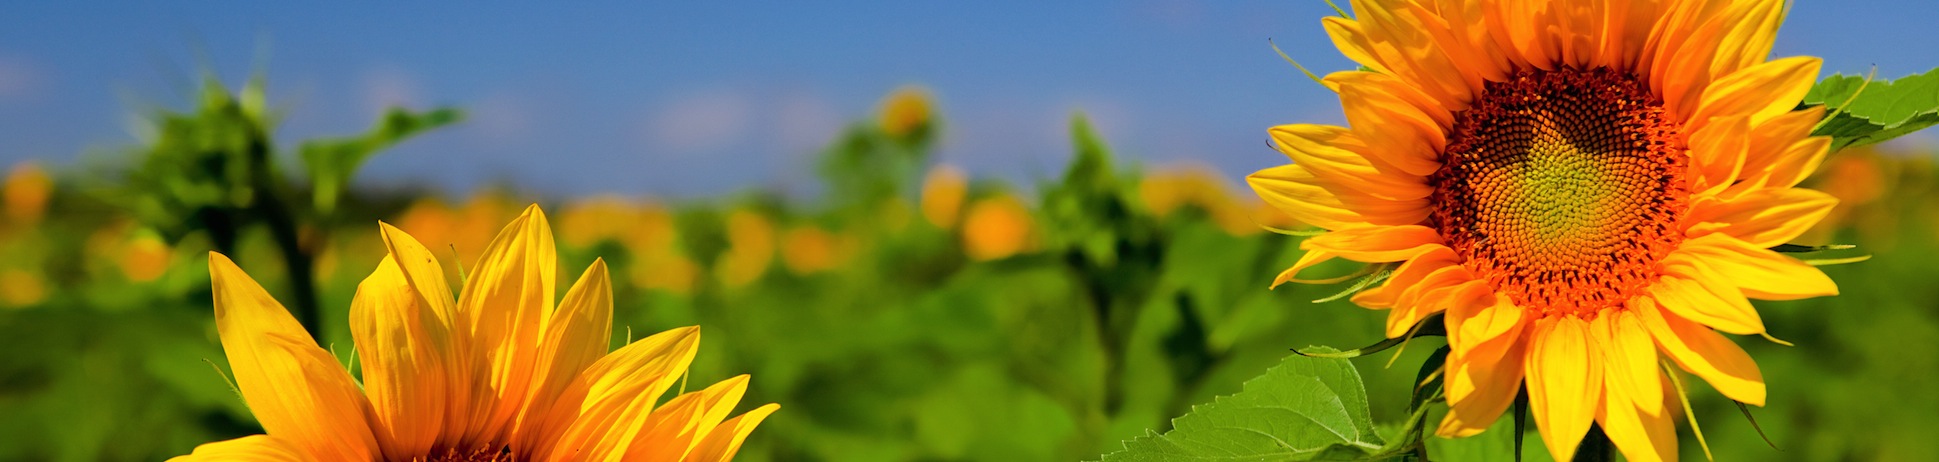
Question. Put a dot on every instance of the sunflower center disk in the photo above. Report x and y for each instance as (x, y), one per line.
(1563, 189)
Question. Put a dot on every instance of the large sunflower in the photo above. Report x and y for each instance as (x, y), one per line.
(498, 374)
(1585, 188)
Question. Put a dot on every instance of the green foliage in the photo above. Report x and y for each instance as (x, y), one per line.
(331, 162)
(1862, 111)
(1303, 409)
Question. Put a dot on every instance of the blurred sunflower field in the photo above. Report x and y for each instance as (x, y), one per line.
(911, 310)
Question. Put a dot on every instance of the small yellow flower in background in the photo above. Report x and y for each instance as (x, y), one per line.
(907, 113)
(1583, 188)
(24, 193)
(500, 374)
(465, 229)
(145, 257)
(750, 248)
(808, 249)
(21, 288)
(943, 190)
(1165, 190)
(996, 228)
(136, 252)
(585, 222)
(675, 273)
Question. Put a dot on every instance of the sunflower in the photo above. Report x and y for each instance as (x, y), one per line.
(1584, 189)
(497, 375)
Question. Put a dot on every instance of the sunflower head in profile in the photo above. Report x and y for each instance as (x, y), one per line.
(498, 373)
(1586, 190)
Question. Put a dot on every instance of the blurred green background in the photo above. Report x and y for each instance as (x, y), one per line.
(911, 312)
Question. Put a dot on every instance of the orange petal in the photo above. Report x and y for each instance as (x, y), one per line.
(575, 337)
(1625, 419)
(407, 356)
(1760, 273)
(1762, 218)
(721, 444)
(609, 396)
(252, 448)
(1564, 382)
(1694, 291)
(1703, 352)
(505, 303)
(1408, 275)
(1479, 389)
(1377, 244)
(299, 393)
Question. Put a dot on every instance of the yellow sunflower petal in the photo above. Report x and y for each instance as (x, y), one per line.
(1768, 143)
(297, 391)
(1376, 244)
(1307, 260)
(1763, 218)
(252, 448)
(1528, 28)
(1450, 286)
(1564, 382)
(1693, 290)
(1330, 151)
(677, 427)
(1351, 39)
(1690, 61)
(1479, 389)
(1640, 436)
(1408, 275)
(405, 351)
(1718, 153)
(1483, 331)
(1476, 66)
(1629, 357)
(1406, 45)
(1481, 56)
(1761, 92)
(1798, 161)
(1750, 37)
(1326, 203)
(505, 303)
(575, 337)
(1703, 352)
(617, 389)
(1400, 126)
(426, 279)
(1760, 273)
(721, 444)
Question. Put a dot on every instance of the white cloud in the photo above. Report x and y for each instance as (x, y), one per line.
(702, 120)
(500, 117)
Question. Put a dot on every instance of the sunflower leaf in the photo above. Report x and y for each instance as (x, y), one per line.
(1861, 112)
(1794, 248)
(1303, 409)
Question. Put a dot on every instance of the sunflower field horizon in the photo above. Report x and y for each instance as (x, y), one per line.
(1396, 230)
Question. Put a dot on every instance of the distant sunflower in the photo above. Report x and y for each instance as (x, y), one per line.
(497, 375)
(1580, 186)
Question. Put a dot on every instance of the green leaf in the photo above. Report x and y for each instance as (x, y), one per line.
(1862, 112)
(331, 163)
(1303, 409)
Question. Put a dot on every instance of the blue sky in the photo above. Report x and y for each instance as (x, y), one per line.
(692, 98)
